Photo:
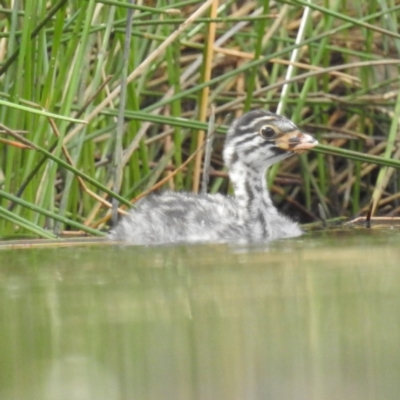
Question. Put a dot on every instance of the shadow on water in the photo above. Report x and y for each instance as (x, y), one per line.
(311, 318)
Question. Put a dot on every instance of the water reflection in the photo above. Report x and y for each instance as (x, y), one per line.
(311, 318)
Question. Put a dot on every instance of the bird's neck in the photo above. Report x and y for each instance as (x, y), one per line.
(253, 198)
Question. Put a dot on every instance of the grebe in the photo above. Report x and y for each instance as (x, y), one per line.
(254, 142)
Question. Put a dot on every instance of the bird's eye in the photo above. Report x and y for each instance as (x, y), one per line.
(267, 132)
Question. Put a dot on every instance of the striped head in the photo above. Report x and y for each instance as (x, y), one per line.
(261, 138)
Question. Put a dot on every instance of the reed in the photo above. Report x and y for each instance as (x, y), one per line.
(87, 121)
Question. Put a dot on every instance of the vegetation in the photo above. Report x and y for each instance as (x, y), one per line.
(103, 101)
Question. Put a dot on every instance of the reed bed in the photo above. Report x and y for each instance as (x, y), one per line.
(105, 101)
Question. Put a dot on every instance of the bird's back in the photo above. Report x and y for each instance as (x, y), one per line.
(173, 217)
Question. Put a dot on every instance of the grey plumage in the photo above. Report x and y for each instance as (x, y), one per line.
(254, 142)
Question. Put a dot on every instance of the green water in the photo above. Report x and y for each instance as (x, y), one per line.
(311, 318)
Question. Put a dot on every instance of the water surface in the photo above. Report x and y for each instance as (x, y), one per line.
(311, 318)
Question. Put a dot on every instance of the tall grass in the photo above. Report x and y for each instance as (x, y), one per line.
(95, 110)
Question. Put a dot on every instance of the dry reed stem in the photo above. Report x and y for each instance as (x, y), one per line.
(204, 96)
(15, 144)
(346, 78)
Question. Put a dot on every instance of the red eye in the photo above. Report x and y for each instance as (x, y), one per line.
(267, 132)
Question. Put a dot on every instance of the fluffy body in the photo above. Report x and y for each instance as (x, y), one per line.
(173, 217)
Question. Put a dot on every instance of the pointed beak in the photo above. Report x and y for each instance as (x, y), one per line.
(296, 141)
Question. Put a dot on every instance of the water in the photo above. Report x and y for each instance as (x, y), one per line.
(310, 318)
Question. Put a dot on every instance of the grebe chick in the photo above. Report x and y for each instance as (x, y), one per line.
(254, 142)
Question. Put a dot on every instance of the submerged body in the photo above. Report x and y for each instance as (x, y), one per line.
(254, 142)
